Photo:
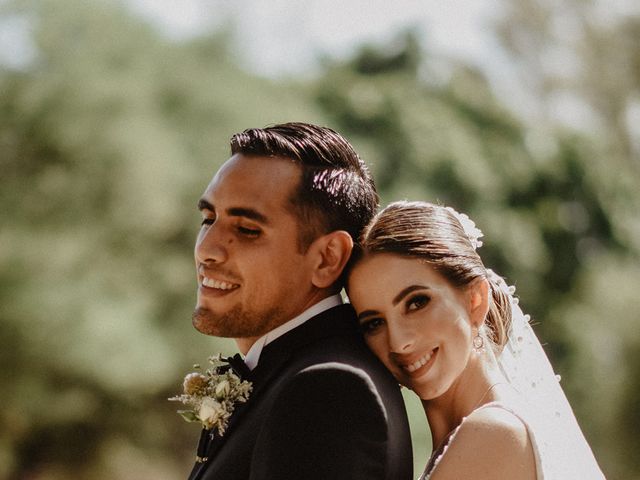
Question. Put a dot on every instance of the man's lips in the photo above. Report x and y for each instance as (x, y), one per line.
(420, 365)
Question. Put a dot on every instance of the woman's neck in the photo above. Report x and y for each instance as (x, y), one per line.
(474, 387)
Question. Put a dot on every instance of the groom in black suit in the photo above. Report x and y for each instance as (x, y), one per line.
(279, 219)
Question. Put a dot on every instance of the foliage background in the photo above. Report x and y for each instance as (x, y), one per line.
(111, 131)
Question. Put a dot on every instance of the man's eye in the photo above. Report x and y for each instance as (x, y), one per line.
(249, 232)
(207, 221)
(369, 327)
(417, 302)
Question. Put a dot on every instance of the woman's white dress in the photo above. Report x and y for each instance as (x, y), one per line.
(552, 462)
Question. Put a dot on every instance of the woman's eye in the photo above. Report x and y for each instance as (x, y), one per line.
(370, 326)
(417, 302)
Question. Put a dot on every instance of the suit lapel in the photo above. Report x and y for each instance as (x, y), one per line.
(333, 322)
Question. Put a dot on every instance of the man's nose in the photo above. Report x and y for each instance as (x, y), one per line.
(210, 246)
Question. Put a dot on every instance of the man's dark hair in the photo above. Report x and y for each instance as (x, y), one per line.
(336, 191)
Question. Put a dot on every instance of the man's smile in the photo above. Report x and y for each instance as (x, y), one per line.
(218, 284)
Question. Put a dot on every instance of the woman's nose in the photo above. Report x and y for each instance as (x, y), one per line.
(401, 338)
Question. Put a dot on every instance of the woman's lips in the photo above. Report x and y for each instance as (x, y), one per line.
(421, 365)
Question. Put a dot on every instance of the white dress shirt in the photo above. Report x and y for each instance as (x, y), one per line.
(253, 355)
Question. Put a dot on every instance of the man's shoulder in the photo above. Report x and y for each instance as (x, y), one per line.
(330, 336)
(338, 390)
(331, 342)
(342, 362)
(346, 352)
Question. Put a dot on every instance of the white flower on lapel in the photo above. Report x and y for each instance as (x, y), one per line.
(223, 389)
(210, 412)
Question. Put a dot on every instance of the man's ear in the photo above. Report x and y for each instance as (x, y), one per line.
(478, 295)
(331, 254)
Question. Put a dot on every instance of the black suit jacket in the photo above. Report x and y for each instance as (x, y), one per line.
(322, 407)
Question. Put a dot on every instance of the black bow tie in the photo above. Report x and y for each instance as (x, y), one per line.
(237, 365)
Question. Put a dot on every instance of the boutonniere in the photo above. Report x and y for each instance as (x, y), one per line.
(212, 395)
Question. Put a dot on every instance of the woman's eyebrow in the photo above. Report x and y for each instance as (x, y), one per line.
(406, 291)
(367, 313)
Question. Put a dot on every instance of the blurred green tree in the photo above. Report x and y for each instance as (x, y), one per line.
(583, 57)
(108, 136)
(110, 132)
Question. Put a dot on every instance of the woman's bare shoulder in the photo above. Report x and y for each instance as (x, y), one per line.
(491, 443)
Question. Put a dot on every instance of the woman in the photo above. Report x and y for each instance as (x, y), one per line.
(451, 330)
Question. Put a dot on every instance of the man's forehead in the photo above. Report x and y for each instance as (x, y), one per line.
(263, 184)
(259, 169)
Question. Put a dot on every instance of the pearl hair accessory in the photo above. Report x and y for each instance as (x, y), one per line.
(469, 226)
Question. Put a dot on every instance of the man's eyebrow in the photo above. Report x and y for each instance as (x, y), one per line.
(204, 205)
(249, 213)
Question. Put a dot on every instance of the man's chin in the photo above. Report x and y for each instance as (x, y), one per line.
(235, 323)
(226, 325)
(206, 322)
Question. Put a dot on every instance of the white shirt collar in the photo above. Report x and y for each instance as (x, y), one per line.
(253, 355)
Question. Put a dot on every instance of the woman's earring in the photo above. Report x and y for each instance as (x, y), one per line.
(478, 343)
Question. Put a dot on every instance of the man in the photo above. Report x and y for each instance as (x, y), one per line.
(279, 219)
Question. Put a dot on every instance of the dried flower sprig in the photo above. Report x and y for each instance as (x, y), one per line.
(212, 395)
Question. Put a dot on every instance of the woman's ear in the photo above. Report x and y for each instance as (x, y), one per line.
(478, 294)
(332, 253)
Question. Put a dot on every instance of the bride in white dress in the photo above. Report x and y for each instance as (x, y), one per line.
(451, 330)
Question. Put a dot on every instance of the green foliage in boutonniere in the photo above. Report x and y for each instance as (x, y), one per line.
(212, 395)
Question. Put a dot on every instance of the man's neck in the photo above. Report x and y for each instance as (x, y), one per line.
(314, 297)
(245, 344)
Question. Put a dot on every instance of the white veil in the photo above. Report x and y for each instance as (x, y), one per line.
(561, 450)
